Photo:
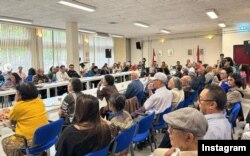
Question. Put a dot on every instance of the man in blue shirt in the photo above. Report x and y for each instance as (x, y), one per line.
(135, 87)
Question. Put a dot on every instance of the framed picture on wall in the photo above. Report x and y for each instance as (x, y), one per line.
(202, 51)
(170, 52)
(190, 52)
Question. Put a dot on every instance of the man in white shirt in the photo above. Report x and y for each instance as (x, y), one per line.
(62, 75)
(161, 99)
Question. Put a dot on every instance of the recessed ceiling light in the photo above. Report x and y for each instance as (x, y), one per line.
(77, 5)
(86, 31)
(222, 25)
(140, 24)
(212, 14)
(165, 31)
(15, 20)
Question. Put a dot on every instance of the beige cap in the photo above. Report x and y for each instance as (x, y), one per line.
(188, 119)
(160, 76)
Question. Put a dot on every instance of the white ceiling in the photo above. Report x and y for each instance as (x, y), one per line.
(178, 16)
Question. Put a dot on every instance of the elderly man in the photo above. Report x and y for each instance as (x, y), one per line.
(212, 101)
(160, 100)
(188, 91)
(40, 77)
(135, 87)
(21, 73)
(185, 127)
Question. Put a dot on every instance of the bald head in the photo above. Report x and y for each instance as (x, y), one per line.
(40, 72)
(185, 80)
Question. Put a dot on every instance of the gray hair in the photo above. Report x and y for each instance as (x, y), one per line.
(136, 73)
(177, 82)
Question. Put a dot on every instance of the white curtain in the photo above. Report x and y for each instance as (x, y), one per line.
(54, 48)
(15, 46)
(97, 46)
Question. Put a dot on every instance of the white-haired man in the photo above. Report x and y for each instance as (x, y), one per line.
(135, 87)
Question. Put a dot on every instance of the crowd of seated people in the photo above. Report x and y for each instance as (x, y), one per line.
(219, 88)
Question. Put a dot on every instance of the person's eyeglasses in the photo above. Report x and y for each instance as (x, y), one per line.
(207, 100)
(173, 129)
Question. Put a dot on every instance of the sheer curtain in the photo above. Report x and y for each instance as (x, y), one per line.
(54, 48)
(15, 46)
(97, 46)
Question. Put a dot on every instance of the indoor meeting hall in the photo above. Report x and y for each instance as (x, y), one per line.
(124, 77)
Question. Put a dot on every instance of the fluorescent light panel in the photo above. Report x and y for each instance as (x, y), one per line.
(212, 14)
(86, 31)
(139, 24)
(222, 25)
(77, 5)
(118, 36)
(15, 20)
(165, 31)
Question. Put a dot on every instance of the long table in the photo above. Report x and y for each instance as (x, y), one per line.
(55, 85)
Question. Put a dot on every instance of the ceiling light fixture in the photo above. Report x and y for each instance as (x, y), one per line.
(15, 20)
(118, 36)
(222, 25)
(86, 31)
(165, 31)
(77, 5)
(212, 14)
(140, 24)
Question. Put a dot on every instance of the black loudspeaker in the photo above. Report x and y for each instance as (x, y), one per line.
(108, 53)
(138, 45)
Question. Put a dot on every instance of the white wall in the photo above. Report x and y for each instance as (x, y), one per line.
(231, 37)
(180, 46)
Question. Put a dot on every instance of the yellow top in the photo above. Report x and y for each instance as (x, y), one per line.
(29, 115)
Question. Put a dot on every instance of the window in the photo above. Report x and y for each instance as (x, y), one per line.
(97, 46)
(15, 46)
(54, 48)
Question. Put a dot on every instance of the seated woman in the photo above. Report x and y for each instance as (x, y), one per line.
(67, 109)
(108, 89)
(234, 93)
(89, 132)
(175, 85)
(27, 114)
(119, 119)
(12, 82)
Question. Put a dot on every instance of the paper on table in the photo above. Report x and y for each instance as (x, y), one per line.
(102, 103)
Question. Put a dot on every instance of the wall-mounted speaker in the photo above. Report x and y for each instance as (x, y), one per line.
(108, 53)
(138, 45)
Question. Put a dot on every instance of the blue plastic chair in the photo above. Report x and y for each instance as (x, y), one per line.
(160, 123)
(124, 139)
(180, 105)
(44, 137)
(139, 97)
(101, 152)
(144, 129)
(234, 113)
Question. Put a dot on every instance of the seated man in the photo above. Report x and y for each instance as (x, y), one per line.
(135, 87)
(185, 127)
(188, 91)
(72, 73)
(212, 101)
(160, 100)
(40, 77)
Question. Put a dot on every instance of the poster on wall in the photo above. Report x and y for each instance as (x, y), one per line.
(190, 52)
(160, 52)
(202, 51)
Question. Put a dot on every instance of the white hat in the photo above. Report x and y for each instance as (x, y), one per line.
(160, 76)
(7, 67)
